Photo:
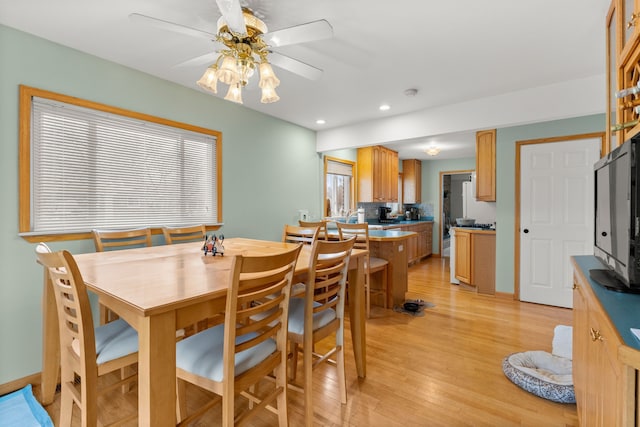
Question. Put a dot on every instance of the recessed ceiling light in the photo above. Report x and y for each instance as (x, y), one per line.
(320, 122)
(385, 107)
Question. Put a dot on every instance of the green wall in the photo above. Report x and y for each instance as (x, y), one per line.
(270, 168)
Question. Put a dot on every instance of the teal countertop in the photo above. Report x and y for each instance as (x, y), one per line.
(623, 309)
(389, 234)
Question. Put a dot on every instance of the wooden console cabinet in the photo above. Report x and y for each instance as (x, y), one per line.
(606, 358)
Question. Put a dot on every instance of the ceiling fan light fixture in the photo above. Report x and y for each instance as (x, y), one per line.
(209, 80)
(432, 151)
(269, 95)
(235, 93)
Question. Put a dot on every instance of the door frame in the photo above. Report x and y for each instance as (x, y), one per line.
(519, 145)
(441, 200)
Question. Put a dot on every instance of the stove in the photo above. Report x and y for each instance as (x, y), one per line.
(388, 221)
(481, 226)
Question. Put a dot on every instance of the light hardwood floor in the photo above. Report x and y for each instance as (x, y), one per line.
(441, 369)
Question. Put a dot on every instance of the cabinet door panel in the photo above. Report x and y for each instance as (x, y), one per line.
(463, 256)
(486, 165)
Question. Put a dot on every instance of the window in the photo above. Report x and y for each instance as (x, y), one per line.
(339, 188)
(94, 166)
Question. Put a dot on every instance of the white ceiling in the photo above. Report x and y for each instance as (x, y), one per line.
(450, 51)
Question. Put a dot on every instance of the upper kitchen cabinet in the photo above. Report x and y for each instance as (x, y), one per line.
(629, 30)
(623, 71)
(486, 165)
(377, 174)
(412, 180)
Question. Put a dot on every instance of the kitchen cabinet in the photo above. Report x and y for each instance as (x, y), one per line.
(377, 174)
(411, 180)
(475, 259)
(463, 255)
(622, 61)
(419, 246)
(486, 165)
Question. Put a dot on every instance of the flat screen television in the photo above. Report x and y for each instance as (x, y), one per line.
(617, 225)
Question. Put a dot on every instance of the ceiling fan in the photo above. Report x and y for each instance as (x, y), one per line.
(242, 44)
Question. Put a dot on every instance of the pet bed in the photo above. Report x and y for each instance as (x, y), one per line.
(21, 409)
(547, 375)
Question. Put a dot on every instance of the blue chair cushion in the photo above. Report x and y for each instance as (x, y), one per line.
(113, 340)
(296, 316)
(201, 354)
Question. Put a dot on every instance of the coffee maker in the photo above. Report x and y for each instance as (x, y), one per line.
(414, 213)
(383, 213)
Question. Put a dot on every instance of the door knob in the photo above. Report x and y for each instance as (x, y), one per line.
(526, 230)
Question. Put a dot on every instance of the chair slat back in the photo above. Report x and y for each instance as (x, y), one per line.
(253, 279)
(327, 276)
(106, 240)
(75, 320)
(360, 230)
(298, 234)
(184, 234)
(322, 227)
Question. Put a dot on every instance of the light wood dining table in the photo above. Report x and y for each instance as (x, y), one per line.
(162, 289)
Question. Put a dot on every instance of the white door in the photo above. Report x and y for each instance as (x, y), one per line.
(556, 216)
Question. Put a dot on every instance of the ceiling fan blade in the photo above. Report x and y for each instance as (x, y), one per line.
(311, 31)
(297, 67)
(207, 58)
(232, 14)
(170, 26)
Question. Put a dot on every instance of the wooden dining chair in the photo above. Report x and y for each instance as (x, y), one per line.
(372, 264)
(231, 358)
(299, 234)
(192, 233)
(85, 351)
(322, 227)
(108, 240)
(320, 314)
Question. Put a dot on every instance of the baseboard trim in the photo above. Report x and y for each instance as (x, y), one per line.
(14, 385)
(505, 295)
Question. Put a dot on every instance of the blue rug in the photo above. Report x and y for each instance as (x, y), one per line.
(21, 409)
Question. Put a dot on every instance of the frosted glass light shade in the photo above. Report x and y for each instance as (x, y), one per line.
(228, 72)
(209, 80)
(234, 94)
(267, 76)
(269, 95)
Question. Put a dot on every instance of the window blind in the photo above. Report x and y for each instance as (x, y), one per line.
(339, 168)
(92, 169)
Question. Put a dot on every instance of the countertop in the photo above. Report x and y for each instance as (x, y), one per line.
(379, 235)
(622, 308)
(385, 235)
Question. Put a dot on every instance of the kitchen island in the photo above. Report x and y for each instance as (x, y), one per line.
(392, 246)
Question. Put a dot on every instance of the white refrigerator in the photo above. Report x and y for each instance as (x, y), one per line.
(482, 212)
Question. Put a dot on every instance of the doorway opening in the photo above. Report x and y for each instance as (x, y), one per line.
(450, 204)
